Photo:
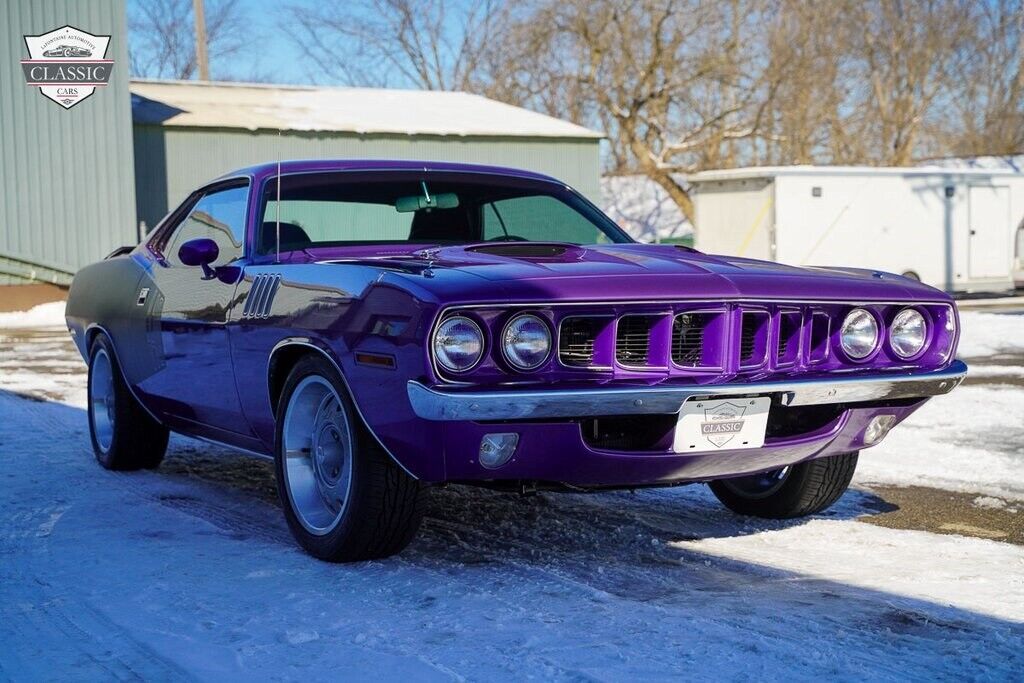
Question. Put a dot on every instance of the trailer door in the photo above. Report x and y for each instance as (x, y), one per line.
(988, 231)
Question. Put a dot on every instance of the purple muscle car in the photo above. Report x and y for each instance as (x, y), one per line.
(382, 327)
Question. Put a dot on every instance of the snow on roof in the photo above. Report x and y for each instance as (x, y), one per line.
(643, 208)
(350, 110)
(773, 171)
(1013, 162)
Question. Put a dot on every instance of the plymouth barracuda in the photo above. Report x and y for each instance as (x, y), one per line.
(379, 328)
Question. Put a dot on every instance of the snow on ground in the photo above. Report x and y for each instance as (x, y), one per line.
(163, 575)
(44, 315)
(971, 440)
(960, 570)
(988, 334)
(189, 571)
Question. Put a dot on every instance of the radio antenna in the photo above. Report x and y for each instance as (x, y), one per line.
(277, 220)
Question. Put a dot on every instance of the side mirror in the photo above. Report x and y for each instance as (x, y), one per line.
(201, 251)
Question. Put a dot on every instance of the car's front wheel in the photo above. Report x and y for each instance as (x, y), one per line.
(794, 491)
(343, 496)
(124, 436)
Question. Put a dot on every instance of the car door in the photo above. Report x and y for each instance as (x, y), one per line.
(188, 312)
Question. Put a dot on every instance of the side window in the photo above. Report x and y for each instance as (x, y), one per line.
(218, 215)
(539, 218)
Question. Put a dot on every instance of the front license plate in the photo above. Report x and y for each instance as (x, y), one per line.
(725, 424)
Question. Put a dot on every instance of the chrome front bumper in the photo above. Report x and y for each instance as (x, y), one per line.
(527, 404)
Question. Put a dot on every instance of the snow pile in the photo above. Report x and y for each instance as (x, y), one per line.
(971, 440)
(987, 334)
(643, 208)
(963, 572)
(44, 315)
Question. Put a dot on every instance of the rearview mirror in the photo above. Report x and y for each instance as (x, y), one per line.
(201, 251)
(445, 200)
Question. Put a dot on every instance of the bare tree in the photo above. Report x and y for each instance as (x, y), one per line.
(989, 99)
(162, 37)
(675, 84)
(683, 85)
(903, 52)
(431, 44)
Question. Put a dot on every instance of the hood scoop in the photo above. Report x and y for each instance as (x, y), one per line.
(533, 251)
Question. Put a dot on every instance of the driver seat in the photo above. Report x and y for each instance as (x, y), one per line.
(293, 237)
(442, 225)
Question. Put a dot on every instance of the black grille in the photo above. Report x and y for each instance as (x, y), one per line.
(633, 341)
(751, 327)
(688, 339)
(576, 342)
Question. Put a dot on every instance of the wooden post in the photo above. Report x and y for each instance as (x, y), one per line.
(202, 60)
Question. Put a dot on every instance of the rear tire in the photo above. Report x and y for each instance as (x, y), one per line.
(343, 497)
(124, 436)
(797, 491)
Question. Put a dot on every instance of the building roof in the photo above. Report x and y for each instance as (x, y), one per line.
(345, 110)
(751, 172)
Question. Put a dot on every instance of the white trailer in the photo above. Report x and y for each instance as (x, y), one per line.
(958, 229)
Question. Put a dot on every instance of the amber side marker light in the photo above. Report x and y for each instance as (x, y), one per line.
(375, 360)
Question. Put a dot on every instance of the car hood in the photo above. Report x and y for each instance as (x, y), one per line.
(522, 271)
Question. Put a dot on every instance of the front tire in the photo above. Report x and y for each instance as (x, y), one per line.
(124, 436)
(795, 491)
(344, 498)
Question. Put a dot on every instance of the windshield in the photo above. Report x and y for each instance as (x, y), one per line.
(335, 209)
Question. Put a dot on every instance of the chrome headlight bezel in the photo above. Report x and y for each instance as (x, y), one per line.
(908, 312)
(512, 357)
(861, 352)
(440, 355)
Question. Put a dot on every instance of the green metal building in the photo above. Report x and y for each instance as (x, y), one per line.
(188, 132)
(80, 181)
(67, 175)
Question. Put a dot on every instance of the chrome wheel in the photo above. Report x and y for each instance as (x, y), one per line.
(101, 399)
(317, 444)
(757, 486)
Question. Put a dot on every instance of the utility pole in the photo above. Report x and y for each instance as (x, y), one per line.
(202, 61)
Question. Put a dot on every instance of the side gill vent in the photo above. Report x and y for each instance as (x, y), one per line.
(576, 342)
(261, 296)
(633, 341)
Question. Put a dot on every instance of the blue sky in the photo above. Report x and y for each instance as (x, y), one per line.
(270, 54)
(276, 56)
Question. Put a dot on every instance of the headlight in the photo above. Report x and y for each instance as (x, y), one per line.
(526, 342)
(908, 333)
(458, 344)
(859, 334)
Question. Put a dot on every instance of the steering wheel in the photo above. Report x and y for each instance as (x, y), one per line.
(508, 238)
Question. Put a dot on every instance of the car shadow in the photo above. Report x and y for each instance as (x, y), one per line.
(612, 548)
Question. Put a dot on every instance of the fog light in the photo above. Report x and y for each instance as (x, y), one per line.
(878, 428)
(497, 449)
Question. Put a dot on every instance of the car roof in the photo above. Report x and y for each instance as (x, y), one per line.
(326, 165)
